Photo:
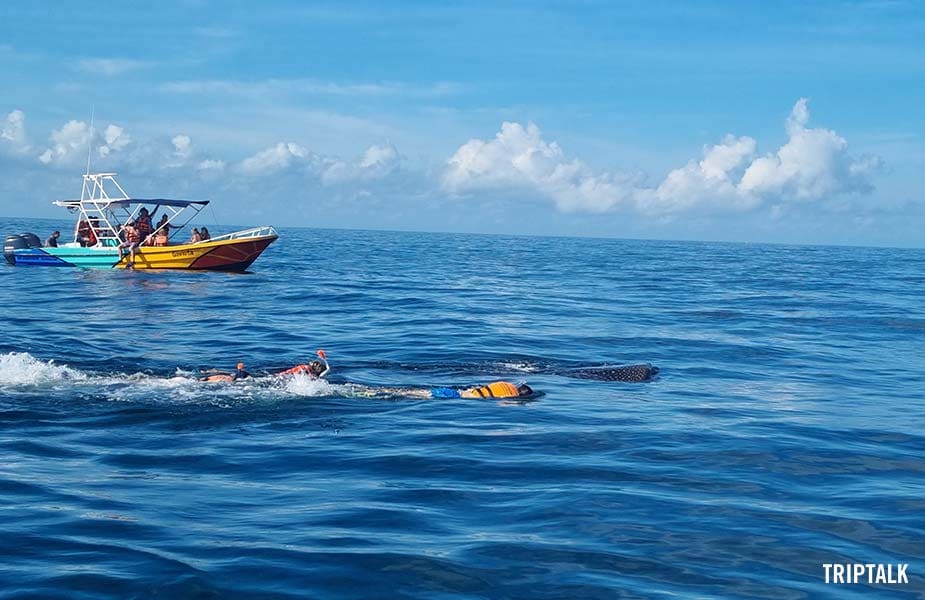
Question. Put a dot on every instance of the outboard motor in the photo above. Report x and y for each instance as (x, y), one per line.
(11, 244)
(32, 240)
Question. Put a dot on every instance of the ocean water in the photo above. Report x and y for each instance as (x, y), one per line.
(786, 428)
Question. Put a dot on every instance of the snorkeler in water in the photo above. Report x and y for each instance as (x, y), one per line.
(495, 389)
(316, 369)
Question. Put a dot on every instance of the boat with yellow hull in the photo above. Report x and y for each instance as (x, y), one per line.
(218, 254)
(100, 231)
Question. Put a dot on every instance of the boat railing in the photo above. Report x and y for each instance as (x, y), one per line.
(243, 234)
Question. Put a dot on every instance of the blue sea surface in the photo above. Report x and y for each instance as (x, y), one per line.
(786, 428)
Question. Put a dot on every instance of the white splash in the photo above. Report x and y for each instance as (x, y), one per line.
(21, 368)
(303, 385)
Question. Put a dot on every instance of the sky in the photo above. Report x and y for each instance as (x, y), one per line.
(727, 121)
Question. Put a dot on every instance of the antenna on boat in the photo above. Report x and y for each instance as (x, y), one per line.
(90, 139)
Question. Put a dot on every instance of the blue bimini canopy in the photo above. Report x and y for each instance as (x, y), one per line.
(159, 201)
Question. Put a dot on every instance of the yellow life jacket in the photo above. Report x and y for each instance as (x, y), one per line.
(496, 389)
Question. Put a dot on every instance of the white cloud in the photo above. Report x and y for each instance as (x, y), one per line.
(110, 67)
(13, 133)
(275, 159)
(376, 162)
(709, 181)
(67, 143)
(114, 148)
(183, 146)
(115, 139)
(176, 155)
(518, 157)
(813, 165)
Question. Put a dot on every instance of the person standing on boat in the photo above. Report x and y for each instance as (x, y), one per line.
(132, 241)
(143, 225)
(52, 241)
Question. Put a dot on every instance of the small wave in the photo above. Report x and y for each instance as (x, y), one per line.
(21, 368)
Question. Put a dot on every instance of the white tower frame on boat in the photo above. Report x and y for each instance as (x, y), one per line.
(97, 208)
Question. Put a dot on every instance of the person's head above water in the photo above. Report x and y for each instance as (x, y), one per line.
(524, 390)
(316, 367)
(240, 366)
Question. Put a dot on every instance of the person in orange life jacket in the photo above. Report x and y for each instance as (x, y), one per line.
(143, 225)
(239, 373)
(316, 369)
(495, 389)
(85, 234)
(132, 240)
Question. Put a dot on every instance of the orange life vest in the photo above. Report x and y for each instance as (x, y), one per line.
(85, 230)
(297, 369)
(496, 389)
(143, 225)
